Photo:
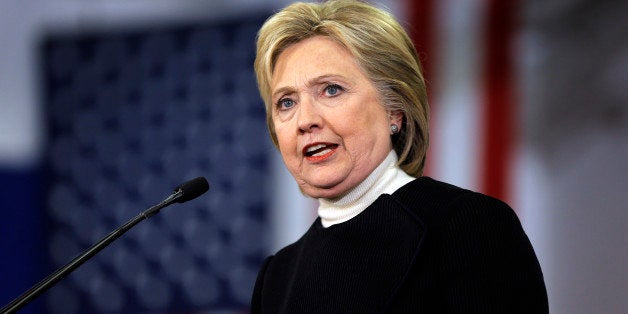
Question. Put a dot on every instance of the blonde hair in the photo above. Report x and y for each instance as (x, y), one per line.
(380, 46)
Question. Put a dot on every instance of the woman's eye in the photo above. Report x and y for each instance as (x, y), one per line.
(285, 103)
(333, 90)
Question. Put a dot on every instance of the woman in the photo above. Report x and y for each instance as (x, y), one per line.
(347, 108)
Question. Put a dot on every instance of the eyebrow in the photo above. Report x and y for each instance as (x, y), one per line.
(315, 80)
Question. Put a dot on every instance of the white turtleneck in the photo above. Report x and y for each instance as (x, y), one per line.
(385, 179)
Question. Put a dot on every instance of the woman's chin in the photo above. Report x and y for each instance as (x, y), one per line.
(324, 189)
(320, 193)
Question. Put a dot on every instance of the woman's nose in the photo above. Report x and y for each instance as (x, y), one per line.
(308, 118)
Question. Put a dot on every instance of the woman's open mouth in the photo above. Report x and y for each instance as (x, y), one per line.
(319, 151)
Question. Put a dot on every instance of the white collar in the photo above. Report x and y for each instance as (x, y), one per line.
(385, 179)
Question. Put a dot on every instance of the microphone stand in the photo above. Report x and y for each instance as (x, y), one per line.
(53, 278)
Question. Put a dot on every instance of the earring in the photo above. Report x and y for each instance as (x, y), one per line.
(394, 128)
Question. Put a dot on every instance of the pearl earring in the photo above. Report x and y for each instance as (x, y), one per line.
(394, 128)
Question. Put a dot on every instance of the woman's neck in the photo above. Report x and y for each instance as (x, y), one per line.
(385, 179)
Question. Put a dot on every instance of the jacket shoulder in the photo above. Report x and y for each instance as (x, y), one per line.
(478, 247)
(435, 202)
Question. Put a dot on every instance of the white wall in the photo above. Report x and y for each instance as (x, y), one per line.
(574, 163)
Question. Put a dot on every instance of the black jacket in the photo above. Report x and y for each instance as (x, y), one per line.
(430, 247)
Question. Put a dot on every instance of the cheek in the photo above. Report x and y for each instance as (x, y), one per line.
(367, 128)
(278, 131)
(286, 143)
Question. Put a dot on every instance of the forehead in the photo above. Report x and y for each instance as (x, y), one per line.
(313, 57)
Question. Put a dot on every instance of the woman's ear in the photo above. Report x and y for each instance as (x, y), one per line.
(396, 117)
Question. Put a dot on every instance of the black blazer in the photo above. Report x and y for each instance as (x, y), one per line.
(430, 247)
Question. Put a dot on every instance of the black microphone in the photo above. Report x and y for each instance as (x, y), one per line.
(192, 189)
(186, 191)
(182, 193)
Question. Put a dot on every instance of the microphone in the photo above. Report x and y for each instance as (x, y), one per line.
(185, 192)
(192, 189)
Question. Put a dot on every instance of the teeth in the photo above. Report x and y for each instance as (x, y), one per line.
(322, 152)
(313, 148)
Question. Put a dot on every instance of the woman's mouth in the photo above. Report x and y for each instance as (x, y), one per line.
(318, 152)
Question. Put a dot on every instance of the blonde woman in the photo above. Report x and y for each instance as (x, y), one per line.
(347, 108)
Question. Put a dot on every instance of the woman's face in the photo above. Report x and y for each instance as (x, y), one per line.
(331, 128)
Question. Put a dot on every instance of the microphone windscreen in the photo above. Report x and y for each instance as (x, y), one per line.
(192, 189)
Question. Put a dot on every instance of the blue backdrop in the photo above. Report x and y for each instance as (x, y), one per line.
(130, 115)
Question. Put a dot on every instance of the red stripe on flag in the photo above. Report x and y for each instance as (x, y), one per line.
(499, 103)
(421, 31)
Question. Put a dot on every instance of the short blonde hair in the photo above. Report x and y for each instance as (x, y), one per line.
(380, 46)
